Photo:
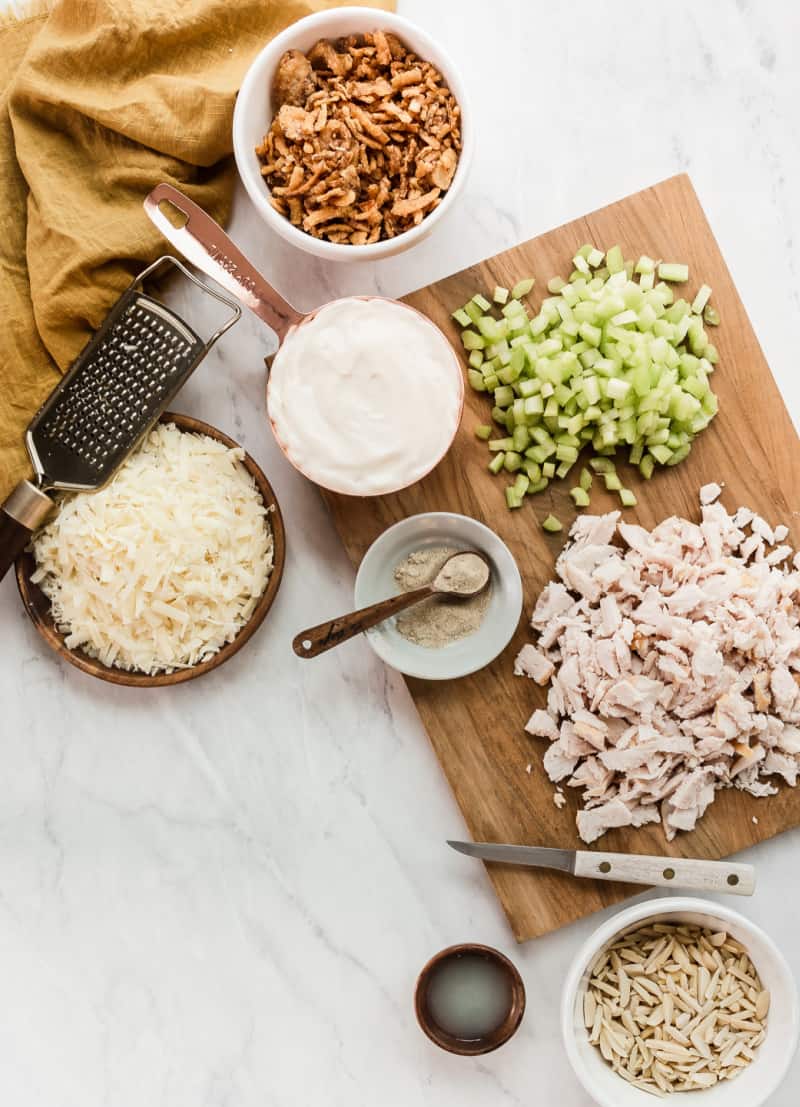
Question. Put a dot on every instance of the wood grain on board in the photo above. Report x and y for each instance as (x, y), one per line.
(476, 724)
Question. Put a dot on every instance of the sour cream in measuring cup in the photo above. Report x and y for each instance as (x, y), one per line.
(365, 396)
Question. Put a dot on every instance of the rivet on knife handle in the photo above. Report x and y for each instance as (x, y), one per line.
(666, 872)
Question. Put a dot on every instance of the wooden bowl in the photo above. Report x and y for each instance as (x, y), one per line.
(493, 1039)
(38, 606)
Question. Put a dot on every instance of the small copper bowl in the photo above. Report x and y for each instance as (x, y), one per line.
(38, 606)
(470, 1047)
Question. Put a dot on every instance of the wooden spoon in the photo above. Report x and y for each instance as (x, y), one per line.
(319, 639)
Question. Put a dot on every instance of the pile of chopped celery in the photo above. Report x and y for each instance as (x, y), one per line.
(611, 360)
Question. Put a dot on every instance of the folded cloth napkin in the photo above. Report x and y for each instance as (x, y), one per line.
(99, 101)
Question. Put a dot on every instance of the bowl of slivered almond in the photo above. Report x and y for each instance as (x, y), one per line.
(680, 996)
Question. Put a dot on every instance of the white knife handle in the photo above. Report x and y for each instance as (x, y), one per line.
(667, 872)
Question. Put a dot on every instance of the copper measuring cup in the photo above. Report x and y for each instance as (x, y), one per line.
(206, 245)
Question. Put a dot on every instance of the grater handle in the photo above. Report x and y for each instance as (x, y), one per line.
(24, 510)
(204, 243)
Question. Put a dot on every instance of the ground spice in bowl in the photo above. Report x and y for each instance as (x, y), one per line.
(437, 622)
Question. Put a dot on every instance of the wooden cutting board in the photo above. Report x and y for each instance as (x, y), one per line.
(476, 724)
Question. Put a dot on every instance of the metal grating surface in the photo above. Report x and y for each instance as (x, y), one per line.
(118, 385)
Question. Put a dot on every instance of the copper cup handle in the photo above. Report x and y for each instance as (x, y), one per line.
(204, 243)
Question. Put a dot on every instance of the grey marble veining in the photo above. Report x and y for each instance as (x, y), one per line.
(220, 895)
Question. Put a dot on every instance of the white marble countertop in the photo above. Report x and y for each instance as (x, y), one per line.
(219, 895)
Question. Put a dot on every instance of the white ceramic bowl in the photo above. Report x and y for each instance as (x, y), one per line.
(253, 115)
(758, 1081)
(375, 581)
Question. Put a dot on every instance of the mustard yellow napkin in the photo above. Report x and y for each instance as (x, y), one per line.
(100, 100)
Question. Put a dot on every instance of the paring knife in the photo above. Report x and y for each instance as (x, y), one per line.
(631, 868)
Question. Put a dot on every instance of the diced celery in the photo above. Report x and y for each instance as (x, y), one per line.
(473, 341)
(492, 330)
(508, 374)
(613, 483)
(483, 431)
(496, 464)
(539, 454)
(530, 386)
(701, 299)
(662, 454)
(473, 311)
(522, 288)
(646, 466)
(679, 455)
(580, 496)
(617, 389)
(611, 360)
(551, 524)
(592, 335)
(614, 260)
(521, 484)
(513, 499)
(627, 498)
(521, 438)
(538, 486)
(566, 453)
(585, 479)
(673, 271)
(711, 316)
(581, 264)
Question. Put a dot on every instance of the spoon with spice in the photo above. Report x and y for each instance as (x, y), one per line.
(463, 576)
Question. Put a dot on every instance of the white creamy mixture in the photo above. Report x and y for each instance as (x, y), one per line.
(365, 398)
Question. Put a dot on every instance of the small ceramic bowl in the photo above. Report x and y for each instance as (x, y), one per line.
(470, 1047)
(253, 115)
(375, 581)
(37, 604)
(759, 1080)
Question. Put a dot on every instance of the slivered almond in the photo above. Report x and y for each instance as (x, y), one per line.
(589, 1008)
(675, 1008)
(762, 1004)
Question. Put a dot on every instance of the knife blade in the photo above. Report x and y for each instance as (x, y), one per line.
(630, 868)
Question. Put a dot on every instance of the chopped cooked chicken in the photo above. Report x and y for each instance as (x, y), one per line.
(674, 665)
(533, 663)
(542, 725)
(710, 492)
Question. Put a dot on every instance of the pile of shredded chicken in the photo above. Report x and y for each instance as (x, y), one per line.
(673, 662)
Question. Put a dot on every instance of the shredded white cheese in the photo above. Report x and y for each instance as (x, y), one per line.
(161, 568)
